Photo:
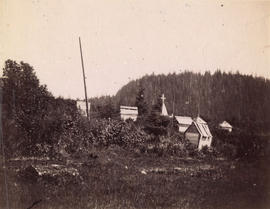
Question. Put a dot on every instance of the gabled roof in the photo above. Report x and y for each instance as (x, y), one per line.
(128, 107)
(128, 110)
(206, 127)
(225, 124)
(184, 120)
(202, 127)
(199, 120)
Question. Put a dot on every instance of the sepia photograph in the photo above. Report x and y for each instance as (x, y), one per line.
(134, 104)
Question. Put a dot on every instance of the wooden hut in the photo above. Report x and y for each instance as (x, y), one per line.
(225, 126)
(82, 107)
(128, 112)
(198, 133)
(183, 123)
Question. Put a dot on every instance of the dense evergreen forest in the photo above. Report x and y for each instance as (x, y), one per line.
(243, 100)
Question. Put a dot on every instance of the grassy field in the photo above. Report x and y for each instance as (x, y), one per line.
(116, 178)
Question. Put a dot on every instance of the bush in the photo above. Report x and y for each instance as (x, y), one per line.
(173, 145)
(239, 144)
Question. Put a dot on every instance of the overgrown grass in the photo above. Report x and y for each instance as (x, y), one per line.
(116, 178)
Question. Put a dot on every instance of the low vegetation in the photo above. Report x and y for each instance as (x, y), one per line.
(56, 158)
(117, 178)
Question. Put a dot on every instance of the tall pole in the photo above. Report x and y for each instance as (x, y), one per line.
(85, 90)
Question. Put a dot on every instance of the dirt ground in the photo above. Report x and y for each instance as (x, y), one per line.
(115, 178)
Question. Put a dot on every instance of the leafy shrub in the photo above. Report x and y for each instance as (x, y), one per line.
(33, 118)
(102, 133)
(173, 145)
(243, 144)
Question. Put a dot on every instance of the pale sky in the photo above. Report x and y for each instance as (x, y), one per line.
(126, 39)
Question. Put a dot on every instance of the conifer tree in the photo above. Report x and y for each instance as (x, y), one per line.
(141, 103)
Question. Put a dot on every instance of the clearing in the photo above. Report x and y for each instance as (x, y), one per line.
(116, 178)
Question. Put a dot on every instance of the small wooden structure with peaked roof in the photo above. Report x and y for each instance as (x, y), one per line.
(128, 112)
(183, 123)
(225, 126)
(82, 107)
(198, 133)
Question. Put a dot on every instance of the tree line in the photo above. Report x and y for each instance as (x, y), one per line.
(243, 100)
(36, 123)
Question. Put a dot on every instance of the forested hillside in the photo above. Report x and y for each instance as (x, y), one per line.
(243, 100)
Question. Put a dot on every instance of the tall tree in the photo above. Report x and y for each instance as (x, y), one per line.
(25, 102)
(31, 115)
(141, 103)
(155, 122)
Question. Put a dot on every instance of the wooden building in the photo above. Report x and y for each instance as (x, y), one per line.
(81, 105)
(183, 123)
(225, 126)
(198, 133)
(128, 112)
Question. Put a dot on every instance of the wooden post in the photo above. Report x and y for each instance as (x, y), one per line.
(85, 90)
